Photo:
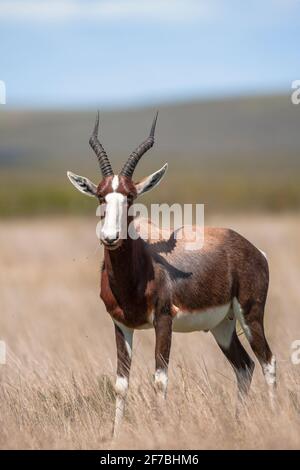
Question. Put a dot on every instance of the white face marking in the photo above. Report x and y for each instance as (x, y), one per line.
(115, 183)
(238, 311)
(114, 212)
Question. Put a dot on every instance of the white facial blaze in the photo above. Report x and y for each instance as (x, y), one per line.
(115, 183)
(114, 211)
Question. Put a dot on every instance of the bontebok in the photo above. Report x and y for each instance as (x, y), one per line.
(162, 285)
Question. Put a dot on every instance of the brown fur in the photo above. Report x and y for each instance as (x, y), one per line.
(140, 278)
(137, 274)
(124, 361)
(144, 283)
(126, 187)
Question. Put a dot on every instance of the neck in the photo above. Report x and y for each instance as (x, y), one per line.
(125, 259)
(129, 270)
(127, 266)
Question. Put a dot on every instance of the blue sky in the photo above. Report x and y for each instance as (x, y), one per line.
(114, 53)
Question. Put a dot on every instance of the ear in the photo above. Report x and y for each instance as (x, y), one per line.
(151, 181)
(83, 184)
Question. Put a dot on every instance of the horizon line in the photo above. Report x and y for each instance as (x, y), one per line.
(135, 105)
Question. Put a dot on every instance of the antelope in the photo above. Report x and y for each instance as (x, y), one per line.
(165, 287)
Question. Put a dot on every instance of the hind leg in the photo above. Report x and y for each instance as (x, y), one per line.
(252, 324)
(229, 343)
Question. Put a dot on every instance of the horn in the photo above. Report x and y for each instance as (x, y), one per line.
(136, 155)
(103, 160)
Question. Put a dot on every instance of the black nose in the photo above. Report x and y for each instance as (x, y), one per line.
(110, 240)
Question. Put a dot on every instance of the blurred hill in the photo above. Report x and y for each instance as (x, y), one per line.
(232, 154)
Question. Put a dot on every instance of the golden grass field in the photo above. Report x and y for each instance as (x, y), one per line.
(56, 390)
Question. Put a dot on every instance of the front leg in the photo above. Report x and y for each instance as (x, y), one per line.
(163, 334)
(124, 352)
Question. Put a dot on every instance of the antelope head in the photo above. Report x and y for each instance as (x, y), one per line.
(117, 191)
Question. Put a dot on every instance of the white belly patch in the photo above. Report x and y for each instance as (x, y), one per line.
(185, 322)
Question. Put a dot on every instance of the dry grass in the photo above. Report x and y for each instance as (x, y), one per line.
(56, 388)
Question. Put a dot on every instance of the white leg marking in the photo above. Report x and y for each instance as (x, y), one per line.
(161, 381)
(121, 386)
(120, 407)
(269, 371)
(239, 313)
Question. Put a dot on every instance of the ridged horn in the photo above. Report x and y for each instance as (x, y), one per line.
(103, 160)
(136, 155)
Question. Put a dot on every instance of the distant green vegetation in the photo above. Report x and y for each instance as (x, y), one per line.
(39, 195)
(223, 192)
(232, 155)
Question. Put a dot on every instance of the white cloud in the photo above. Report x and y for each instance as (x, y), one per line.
(110, 10)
